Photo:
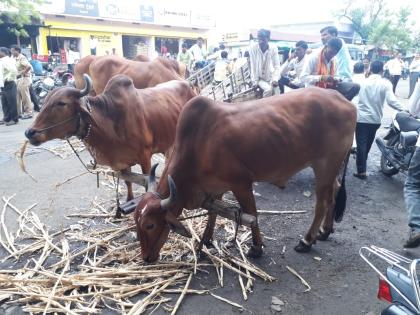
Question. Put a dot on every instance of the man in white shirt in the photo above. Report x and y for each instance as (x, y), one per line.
(73, 57)
(93, 44)
(265, 65)
(8, 73)
(198, 53)
(414, 73)
(395, 67)
(320, 69)
(373, 92)
(292, 68)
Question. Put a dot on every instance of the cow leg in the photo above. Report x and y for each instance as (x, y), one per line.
(129, 185)
(145, 163)
(325, 175)
(327, 225)
(246, 200)
(208, 232)
(323, 193)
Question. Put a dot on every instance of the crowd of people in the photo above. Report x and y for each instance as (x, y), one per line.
(17, 97)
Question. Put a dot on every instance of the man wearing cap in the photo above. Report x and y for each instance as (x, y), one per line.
(265, 65)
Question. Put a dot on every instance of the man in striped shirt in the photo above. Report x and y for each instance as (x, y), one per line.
(265, 65)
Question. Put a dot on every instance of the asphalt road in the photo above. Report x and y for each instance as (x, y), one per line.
(341, 282)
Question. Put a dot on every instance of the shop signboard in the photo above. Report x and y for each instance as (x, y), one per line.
(82, 7)
(119, 10)
(147, 13)
(202, 20)
(173, 16)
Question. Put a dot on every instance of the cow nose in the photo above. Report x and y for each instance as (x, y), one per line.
(29, 133)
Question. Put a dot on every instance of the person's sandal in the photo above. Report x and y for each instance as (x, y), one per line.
(360, 176)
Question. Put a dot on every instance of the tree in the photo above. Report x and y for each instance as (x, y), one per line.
(18, 13)
(377, 26)
(366, 17)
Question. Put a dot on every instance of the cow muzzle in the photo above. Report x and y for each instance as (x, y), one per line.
(31, 134)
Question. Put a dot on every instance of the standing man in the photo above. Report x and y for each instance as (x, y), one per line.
(344, 69)
(265, 65)
(198, 52)
(73, 57)
(395, 67)
(320, 70)
(373, 92)
(185, 57)
(292, 68)
(8, 73)
(414, 73)
(93, 44)
(24, 82)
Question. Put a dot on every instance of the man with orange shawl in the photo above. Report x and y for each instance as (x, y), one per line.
(320, 70)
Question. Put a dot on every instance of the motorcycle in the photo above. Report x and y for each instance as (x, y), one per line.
(398, 145)
(399, 284)
(43, 85)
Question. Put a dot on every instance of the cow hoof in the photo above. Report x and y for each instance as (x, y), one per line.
(118, 213)
(255, 251)
(302, 247)
(322, 236)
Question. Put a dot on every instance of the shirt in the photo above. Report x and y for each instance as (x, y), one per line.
(21, 64)
(185, 58)
(309, 74)
(415, 65)
(344, 63)
(358, 78)
(93, 43)
(221, 70)
(293, 69)
(395, 66)
(372, 95)
(72, 56)
(264, 65)
(198, 53)
(8, 71)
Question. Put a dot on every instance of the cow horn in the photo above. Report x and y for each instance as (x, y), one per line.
(151, 180)
(88, 85)
(166, 204)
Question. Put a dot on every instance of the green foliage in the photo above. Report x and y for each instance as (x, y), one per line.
(377, 26)
(19, 13)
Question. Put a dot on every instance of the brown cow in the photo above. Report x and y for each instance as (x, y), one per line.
(223, 147)
(121, 127)
(97, 68)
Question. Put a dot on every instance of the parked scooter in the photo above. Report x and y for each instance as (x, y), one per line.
(398, 145)
(399, 285)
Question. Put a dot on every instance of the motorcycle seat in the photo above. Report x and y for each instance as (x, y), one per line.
(407, 122)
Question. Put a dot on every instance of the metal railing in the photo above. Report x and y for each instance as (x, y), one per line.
(235, 85)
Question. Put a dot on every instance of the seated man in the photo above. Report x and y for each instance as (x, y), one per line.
(320, 70)
(292, 68)
(222, 68)
(265, 65)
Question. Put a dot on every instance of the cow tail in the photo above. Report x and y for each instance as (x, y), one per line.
(341, 197)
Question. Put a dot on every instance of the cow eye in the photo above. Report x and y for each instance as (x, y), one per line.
(150, 226)
(61, 103)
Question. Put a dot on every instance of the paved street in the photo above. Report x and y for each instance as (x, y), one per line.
(341, 282)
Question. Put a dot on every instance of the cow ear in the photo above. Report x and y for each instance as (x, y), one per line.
(175, 225)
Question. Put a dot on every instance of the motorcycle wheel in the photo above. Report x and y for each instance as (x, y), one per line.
(386, 167)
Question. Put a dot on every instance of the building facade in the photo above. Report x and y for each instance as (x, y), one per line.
(121, 27)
